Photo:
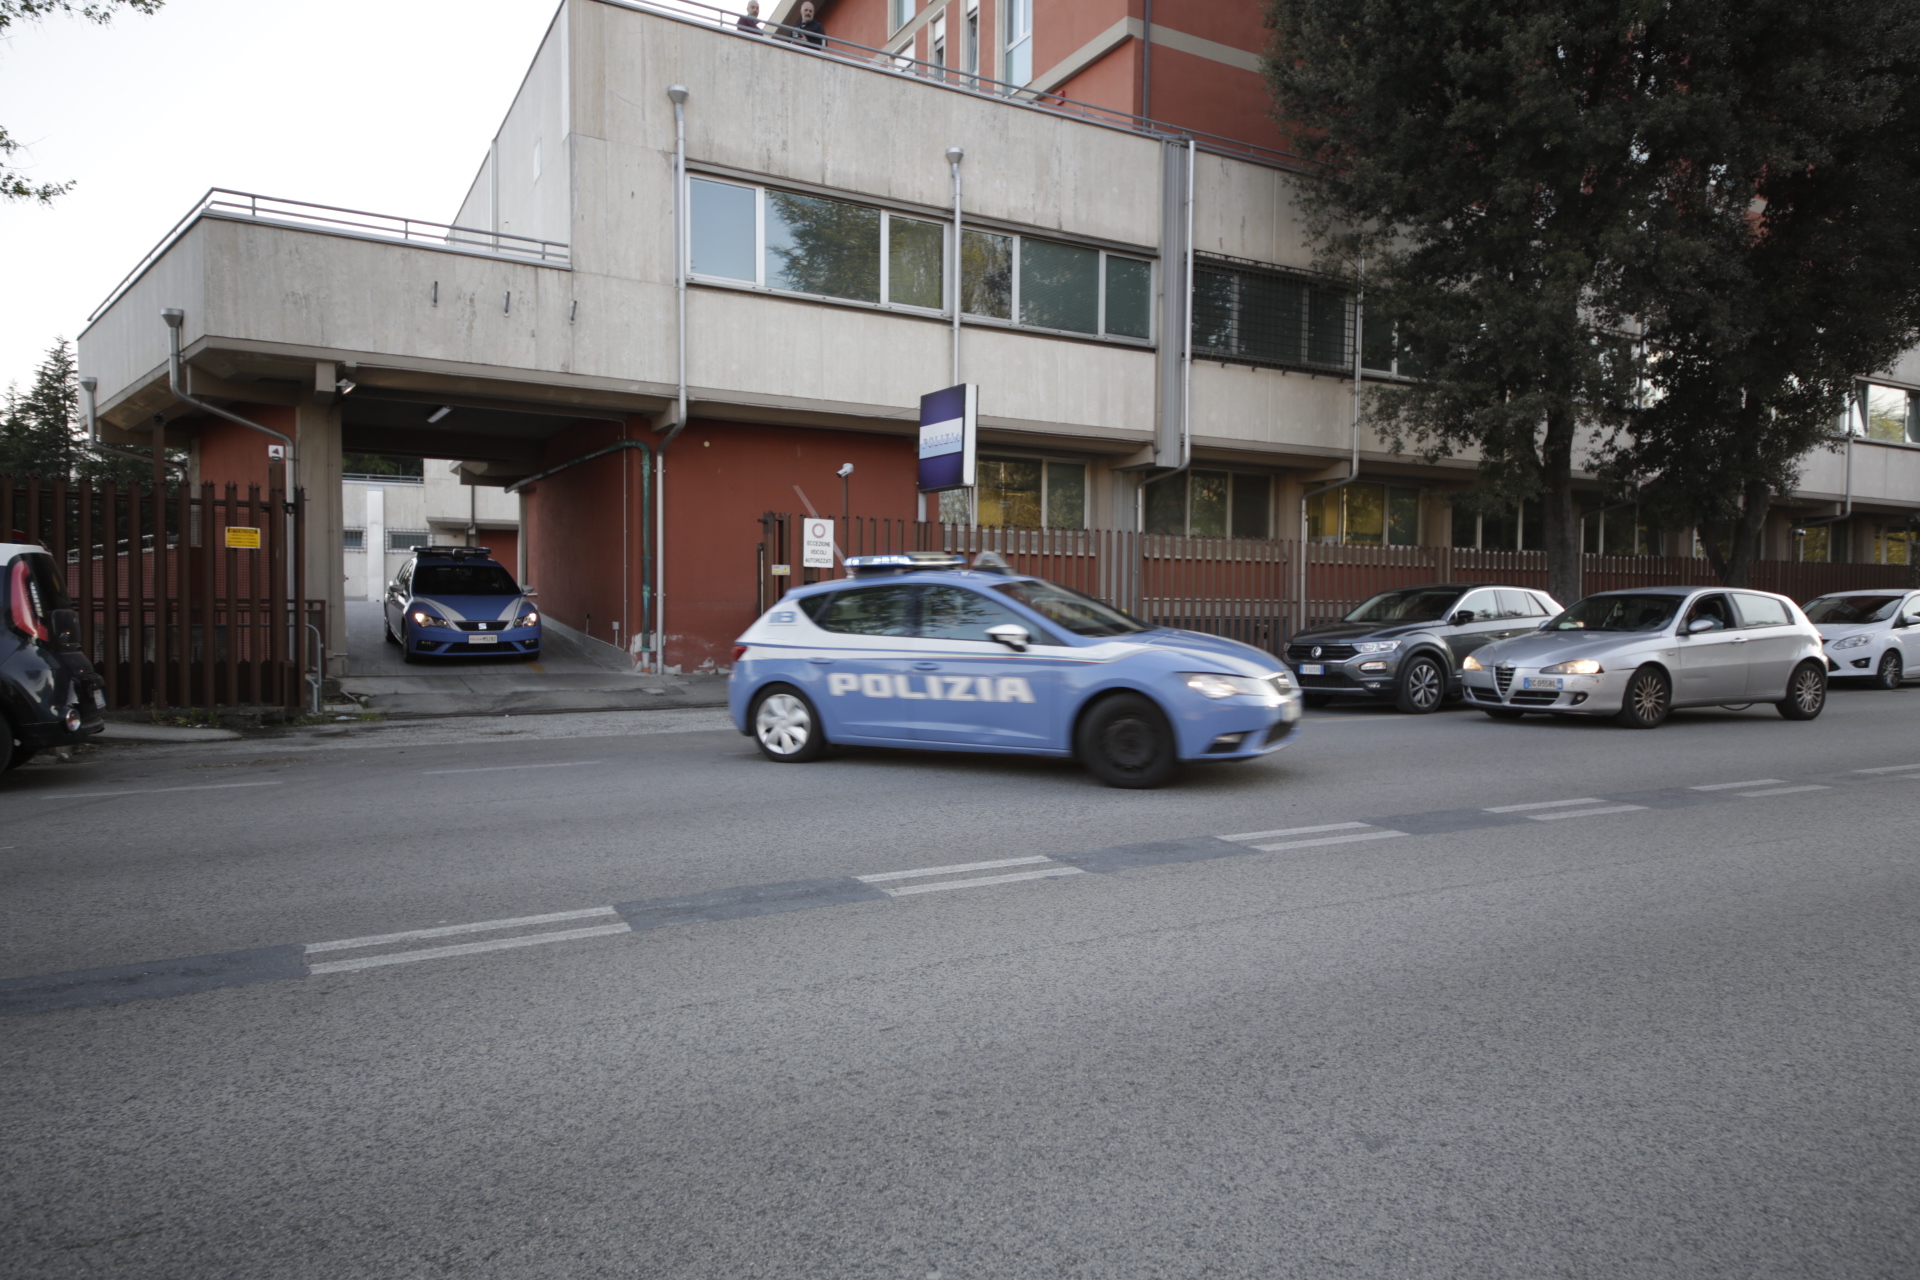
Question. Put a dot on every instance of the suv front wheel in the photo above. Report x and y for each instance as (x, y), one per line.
(1422, 687)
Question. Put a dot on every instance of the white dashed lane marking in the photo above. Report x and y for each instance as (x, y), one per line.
(1585, 813)
(467, 948)
(1543, 804)
(1735, 786)
(506, 768)
(451, 930)
(1246, 836)
(1044, 873)
(955, 869)
(151, 791)
(1889, 768)
(1785, 791)
(1380, 833)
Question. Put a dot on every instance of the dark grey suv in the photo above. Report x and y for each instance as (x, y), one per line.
(1407, 645)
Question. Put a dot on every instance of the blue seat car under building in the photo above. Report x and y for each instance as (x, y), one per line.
(917, 650)
(459, 602)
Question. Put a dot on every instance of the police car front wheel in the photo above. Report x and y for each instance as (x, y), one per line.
(786, 726)
(1125, 741)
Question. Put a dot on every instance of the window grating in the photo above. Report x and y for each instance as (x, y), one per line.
(1288, 320)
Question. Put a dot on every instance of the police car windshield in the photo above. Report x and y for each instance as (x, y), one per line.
(1421, 604)
(1068, 609)
(1618, 613)
(1844, 609)
(463, 580)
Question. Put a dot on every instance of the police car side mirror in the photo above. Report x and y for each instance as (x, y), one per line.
(1013, 636)
(1461, 618)
(528, 592)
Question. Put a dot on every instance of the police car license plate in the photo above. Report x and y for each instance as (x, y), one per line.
(480, 639)
(1313, 669)
(1541, 682)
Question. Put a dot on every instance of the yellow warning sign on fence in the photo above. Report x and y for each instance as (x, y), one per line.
(241, 536)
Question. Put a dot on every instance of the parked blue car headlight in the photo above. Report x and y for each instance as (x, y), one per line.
(421, 618)
(527, 619)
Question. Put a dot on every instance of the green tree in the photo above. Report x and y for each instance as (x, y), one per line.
(15, 185)
(1782, 255)
(1481, 156)
(43, 433)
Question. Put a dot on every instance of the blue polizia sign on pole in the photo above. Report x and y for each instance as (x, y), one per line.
(947, 420)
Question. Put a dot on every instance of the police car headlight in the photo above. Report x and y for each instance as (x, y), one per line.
(1851, 642)
(1376, 646)
(1471, 664)
(421, 618)
(1217, 686)
(526, 620)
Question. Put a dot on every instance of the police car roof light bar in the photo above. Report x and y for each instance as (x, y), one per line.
(992, 562)
(483, 553)
(902, 562)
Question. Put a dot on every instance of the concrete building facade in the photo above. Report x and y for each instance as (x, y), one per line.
(814, 257)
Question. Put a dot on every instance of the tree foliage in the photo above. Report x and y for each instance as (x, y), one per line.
(15, 185)
(1546, 193)
(43, 433)
(1783, 256)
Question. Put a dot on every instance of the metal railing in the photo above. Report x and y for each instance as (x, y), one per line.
(220, 202)
(729, 21)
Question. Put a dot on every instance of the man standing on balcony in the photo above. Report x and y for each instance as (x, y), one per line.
(808, 30)
(750, 21)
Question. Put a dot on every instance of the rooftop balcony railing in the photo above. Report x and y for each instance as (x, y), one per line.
(731, 22)
(329, 219)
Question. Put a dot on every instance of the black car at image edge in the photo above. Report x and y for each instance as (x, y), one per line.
(50, 695)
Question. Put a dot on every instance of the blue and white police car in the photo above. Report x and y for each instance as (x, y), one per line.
(459, 602)
(918, 650)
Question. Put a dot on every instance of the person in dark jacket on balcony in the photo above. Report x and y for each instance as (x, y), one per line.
(750, 20)
(808, 30)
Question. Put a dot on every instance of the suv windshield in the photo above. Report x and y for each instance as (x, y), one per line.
(1416, 604)
(1618, 613)
(1844, 609)
(463, 580)
(1067, 608)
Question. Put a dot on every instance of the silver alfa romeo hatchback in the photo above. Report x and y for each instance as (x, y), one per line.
(1637, 655)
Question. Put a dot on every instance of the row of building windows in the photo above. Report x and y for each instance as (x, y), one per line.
(827, 248)
(397, 539)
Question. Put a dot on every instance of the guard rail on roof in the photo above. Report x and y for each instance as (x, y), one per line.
(728, 21)
(246, 206)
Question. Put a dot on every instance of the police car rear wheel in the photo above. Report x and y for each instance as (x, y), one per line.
(1126, 742)
(786, 727)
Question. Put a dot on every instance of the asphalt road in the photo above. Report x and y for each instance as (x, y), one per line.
(1459, 998)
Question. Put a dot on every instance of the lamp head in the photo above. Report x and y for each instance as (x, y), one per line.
(956, 154)
(89, 384)
(678, 92)
(174, 316)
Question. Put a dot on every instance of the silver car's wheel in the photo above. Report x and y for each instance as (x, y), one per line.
(1806, 692)
(1422, 686)
(1890, 673)
(1649, 698)
(786, 728)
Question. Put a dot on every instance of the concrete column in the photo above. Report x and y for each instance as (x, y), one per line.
(317, 431)
(376, 540)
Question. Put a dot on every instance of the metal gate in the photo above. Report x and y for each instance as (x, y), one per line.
(173, 611)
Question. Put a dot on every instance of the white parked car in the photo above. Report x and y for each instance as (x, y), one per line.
(1636, 655)
(1870, 635)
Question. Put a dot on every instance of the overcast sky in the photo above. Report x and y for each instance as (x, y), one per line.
(384, 105)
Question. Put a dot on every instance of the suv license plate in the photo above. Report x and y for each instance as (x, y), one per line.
(1312, 669)
(480, 639)
(1541, 682)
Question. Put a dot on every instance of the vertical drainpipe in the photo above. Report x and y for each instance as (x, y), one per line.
(1146, 64)
(677, 92)
(954, 156)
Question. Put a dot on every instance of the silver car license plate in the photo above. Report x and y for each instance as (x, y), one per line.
(479, 639)
(1542, 682)
(1313, 669)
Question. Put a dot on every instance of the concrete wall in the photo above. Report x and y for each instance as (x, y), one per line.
(523, 185)
(439, 506)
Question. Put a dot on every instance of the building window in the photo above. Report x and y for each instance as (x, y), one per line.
(828, 248)
(899, 13)
(1365, 515)
(1383, 351)
(1813, 544)
(1891, 414)
(1895, 546)
(353, 539)
(1276, 318)
(1021, 493)
(1606, 531)
(970, 40)
(408, 539)
(1019, 61)
(937, 42)
(1208, 504)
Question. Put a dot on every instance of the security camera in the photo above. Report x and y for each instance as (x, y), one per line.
(846, 469)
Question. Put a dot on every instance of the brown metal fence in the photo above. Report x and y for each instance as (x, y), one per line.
(170, 614)
(1250, 588)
